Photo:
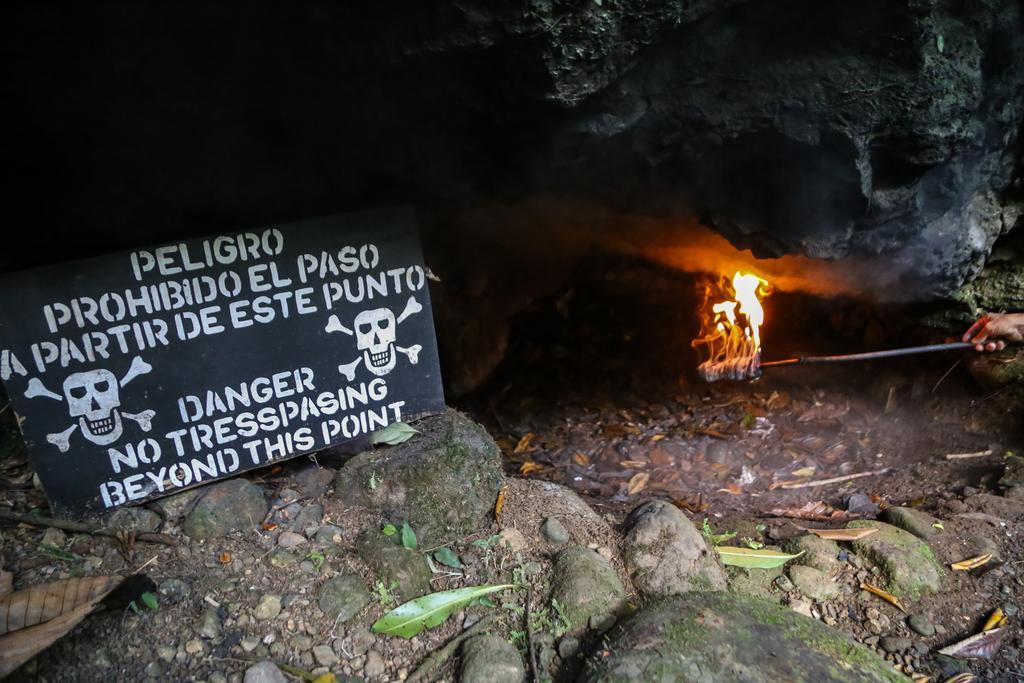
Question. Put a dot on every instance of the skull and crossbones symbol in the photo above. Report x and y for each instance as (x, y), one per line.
(94, 398)
(374, 331)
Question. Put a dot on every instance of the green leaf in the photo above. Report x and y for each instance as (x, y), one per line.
(754, 559)
(940, 43)
(410, 618)
(408, 536)
(389, 530)
(392, 435)
(486, 543)
(447, 557)
(748, 421)
(751, 543)
(149, 600)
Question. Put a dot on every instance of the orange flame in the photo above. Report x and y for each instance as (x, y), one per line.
(731, 332)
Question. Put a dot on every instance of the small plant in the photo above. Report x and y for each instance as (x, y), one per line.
(148, 599)
(317, 558)
(716, 539)
(385, 594)
(486, 543)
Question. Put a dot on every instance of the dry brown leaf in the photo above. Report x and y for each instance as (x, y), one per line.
(888, 597)
(524, 443)
(34, 618)
(499, 505)
(267, 526)
(971, 563)
(581, 459)
(637, 483)
(983, 645)
(804, 472)
(733, 489)
(841, 534)
(224, 558)
(658, 437)
(962, 677)
(815, 511)
(530, 466)
(633, 464)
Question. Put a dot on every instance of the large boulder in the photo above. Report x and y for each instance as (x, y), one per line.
(443, 481)
(715, 637)
(232, 505)
(666, 555)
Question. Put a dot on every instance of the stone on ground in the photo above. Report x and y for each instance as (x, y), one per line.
(916, 522)
(554, 531)
(444, 480)
(908, 565)
(820, 553)
(177, 506)
(586, 587)
(666, 555)
(757, 582)
(312, 480)
(231, 505)
(264, 672)
(490, 659)
(268, 607)
(1014, 474)
(395, 564)
(342, 597)
(813, 583)
(715, 637)
(134, 519)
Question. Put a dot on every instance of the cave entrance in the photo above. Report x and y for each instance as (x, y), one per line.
(599, 391)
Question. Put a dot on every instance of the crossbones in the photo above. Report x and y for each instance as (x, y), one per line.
(374, 331)
(94, 398)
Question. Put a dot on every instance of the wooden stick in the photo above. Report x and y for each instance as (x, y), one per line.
(965, 456)
(82, 527)
(834, 480)
(428, 669)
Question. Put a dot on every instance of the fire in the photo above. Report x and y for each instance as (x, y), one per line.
(731, 331)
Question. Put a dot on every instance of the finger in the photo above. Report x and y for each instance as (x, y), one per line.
(991, 346)
(1000, 345)
(979, 347)
(976, 328)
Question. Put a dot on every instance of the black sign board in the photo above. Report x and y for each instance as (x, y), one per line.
(140, 374)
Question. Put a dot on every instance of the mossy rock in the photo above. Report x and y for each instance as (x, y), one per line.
(232, 505)
(586, 587)
(444, 481)
(394, 565)
(908, 564)
(755, 582)
(818, 552)
(715, 637)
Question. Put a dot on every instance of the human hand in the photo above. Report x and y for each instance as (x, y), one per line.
(994, 330)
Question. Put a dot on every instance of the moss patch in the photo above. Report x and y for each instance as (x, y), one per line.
(908, 565)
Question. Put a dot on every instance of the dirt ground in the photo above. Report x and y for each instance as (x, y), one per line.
(597, 393)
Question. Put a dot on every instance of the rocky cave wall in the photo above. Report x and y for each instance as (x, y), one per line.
(879, 129)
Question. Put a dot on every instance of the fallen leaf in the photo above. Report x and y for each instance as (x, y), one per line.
(633, 464)
(34, 618)
(408, 537)
(840, 534)
(971, 563)
(815, 511)
(658, 437)
(995, 620)
(530, 466)
(224, 558)
(962, 677)
(268, 526)
(804, 472)
(637, 483)
(754, 559)
(888, 597)
(983, 645)
(392, 435)
(411, 618)
(499, 505)
(447, 557)
(524, 443)
(732, 489)
(581, 459)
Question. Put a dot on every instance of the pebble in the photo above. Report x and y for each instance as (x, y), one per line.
(784, 584)
(165, 652)
(374, 666)
(264, 672)
(894, 644)
(209, 626)
(268, 608)
(922, 625)
(940, 629)
(513, 539)
(54, 537)
(554, 531)
(290, 539)
(174, 590)
(325, 656)
(194, 646)
(154, 670)
(568, 646)
(1010, 609)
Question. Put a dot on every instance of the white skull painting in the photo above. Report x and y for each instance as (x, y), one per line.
(375, 337)
(375, 332)
(93, 398)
